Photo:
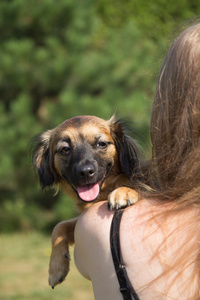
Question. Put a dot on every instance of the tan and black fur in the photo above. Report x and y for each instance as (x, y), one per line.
(83, 152)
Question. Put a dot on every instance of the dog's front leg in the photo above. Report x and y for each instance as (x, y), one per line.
(122, 197)
(62, 237)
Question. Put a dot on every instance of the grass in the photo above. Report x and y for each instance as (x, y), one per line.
(24, 260)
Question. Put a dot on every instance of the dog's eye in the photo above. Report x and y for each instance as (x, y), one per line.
(102, 145)
(64, 150)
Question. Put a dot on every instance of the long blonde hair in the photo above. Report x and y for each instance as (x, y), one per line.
(175, 135)
(175, 122)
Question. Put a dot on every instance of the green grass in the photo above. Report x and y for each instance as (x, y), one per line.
(24, 260)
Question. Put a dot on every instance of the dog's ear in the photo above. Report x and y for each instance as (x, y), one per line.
(41, 159)
(126, 147)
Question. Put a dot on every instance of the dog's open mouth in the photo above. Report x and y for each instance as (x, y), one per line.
(89, 192)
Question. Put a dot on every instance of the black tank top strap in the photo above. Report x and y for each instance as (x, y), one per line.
(126, 288)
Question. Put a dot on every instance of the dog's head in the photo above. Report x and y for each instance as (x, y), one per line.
(82, 153)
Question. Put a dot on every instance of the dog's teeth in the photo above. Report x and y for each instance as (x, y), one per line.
(117, 206)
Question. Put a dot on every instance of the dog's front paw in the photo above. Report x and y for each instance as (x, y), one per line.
(122, 197)
(59, 264)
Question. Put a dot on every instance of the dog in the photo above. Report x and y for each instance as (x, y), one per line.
(92, 160)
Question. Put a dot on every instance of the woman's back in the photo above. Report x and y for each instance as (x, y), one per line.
(139, 244)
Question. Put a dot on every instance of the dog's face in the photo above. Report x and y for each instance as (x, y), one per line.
(83, 153)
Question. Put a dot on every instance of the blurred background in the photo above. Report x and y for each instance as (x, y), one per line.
(58, 59)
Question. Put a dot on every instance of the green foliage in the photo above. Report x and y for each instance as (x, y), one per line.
(64, 58)
(17, 214)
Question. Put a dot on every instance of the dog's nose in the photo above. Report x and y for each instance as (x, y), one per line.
(86, 172)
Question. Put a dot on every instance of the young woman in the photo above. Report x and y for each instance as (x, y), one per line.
(160, 234)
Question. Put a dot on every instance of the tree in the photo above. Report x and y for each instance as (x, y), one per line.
(64, 58)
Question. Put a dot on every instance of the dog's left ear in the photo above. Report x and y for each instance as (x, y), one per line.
(42, 159)
(126, 147)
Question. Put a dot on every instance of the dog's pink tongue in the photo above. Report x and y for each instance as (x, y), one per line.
(88, 192)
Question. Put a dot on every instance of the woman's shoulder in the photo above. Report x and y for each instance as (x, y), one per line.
(98, 214)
